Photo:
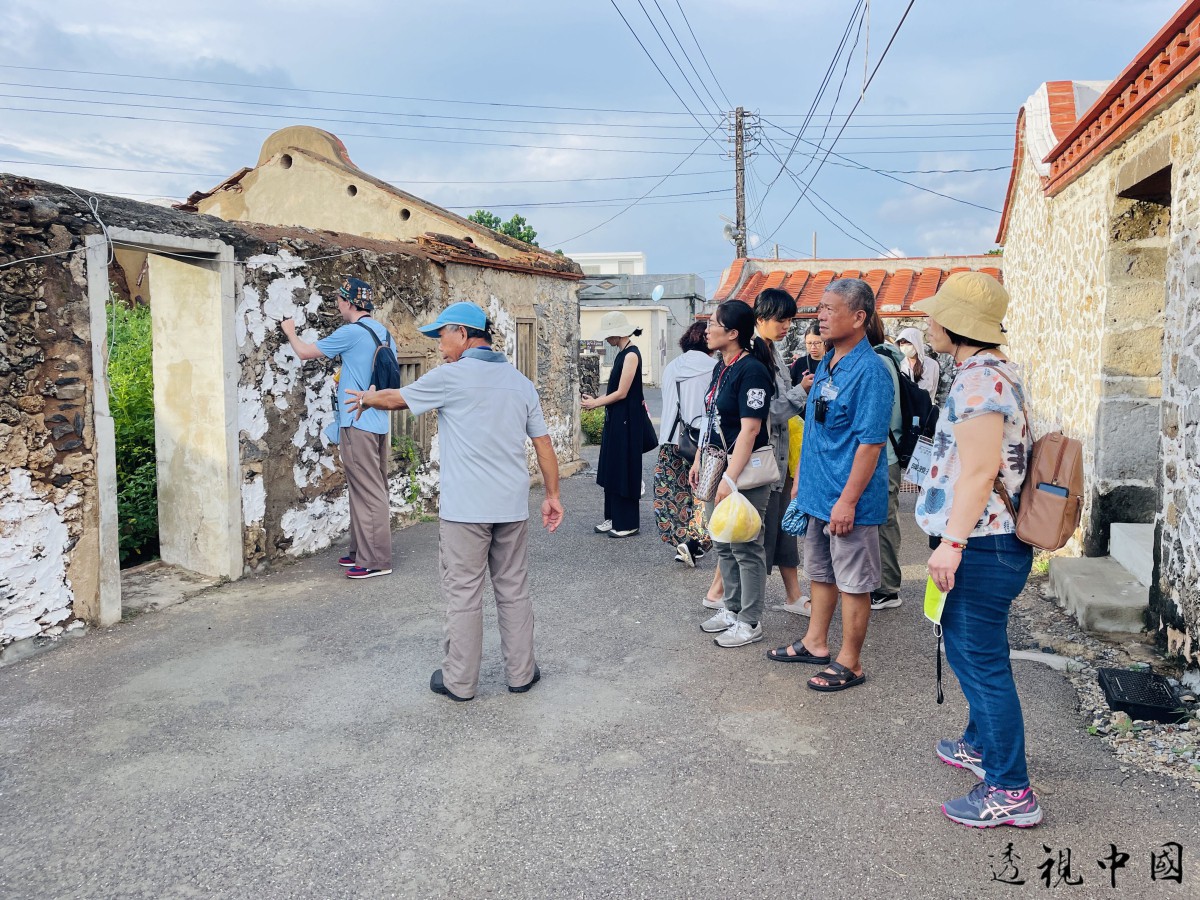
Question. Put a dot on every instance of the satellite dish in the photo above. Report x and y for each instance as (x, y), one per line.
(657, 293)
(729, 232)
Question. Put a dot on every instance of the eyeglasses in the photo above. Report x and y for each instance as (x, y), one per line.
(713, 323)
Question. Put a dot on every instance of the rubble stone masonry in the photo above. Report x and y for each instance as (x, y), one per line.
(293, 498)
(1105, 320)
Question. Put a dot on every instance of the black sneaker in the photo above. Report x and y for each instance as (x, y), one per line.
(880, 600)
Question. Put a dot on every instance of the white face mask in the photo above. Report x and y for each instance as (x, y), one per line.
(909, 350)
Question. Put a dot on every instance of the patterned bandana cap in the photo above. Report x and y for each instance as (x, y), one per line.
(357, 293)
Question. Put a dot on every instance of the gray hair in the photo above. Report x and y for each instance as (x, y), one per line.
(857, 293)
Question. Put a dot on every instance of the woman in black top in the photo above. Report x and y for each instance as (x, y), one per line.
(619, 470)
(814, 351)
(738, 404)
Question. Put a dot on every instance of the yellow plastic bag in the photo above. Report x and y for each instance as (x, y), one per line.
(795, 440)
(735, 520)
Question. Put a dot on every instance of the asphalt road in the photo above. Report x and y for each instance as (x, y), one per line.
(275, 737)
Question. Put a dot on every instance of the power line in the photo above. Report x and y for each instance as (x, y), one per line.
(716, 104)
(307, 90)
(308, 109)
(643, 197)
(383, 137)
(886, 173)
(729, 103)
(821, 88)
(861, 95)
(388, 179)
(650, 57)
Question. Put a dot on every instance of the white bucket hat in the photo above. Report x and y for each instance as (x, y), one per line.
(614, 324)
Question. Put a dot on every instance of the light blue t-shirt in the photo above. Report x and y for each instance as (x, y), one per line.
(352, 343)
(859, 411)
(486, 409)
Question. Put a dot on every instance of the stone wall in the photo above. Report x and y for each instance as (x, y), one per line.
(1105, 321)
(292, 496)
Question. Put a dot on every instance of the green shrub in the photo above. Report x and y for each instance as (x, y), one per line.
(592, 423)
(131, 399)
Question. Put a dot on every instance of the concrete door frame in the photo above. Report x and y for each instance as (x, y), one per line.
(208, 253)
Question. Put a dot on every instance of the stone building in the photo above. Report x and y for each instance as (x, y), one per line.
(245, 475)
(1101, 235)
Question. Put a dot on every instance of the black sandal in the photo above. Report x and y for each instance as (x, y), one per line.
(801, 655)
(838, 679)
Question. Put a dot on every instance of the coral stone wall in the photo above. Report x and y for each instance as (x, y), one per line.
(293, 498)
(1105, 319)
(48, 499)
(1175, 599)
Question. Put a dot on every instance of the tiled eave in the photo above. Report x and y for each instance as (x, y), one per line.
(1166, 67)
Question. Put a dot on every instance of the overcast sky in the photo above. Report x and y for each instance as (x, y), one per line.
(402, 83)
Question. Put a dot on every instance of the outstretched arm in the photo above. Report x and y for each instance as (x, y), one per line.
(302, 349)
(552, 509)
(357, 401)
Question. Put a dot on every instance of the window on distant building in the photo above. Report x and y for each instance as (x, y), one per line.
(626, 267)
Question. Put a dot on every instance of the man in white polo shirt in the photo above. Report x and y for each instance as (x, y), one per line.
(486, 409)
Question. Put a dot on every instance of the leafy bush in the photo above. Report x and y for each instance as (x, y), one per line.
(592, 423)
(131, 399)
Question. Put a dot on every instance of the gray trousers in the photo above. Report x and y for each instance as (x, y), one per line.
(467, 552)
(365, 462)
(889, 535)
(744, 566)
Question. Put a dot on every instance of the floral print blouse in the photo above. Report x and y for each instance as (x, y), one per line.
(978, 389)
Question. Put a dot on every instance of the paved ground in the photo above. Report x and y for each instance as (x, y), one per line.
(276, 738)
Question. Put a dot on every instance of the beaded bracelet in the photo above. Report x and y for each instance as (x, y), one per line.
(960, 546)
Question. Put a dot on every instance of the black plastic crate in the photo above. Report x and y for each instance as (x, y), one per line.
(1143, 695)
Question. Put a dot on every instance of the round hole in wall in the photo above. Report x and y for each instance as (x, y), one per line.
(285, 161)
(405, 215)
(351, 190)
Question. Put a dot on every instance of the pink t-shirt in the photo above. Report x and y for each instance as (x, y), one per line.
(978, 389)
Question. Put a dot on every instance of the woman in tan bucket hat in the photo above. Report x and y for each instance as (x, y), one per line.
(619, 469)
(977, 558)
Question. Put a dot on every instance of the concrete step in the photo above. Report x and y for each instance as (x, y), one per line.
(1100, 593)
(1133, 547)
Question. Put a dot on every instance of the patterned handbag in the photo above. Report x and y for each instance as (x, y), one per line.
(712, 467)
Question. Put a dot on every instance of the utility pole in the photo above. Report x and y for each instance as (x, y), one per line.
(814, 245)
(744, 133)
(739, 163)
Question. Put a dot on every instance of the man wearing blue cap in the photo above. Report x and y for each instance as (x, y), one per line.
(363, 440)
(486, 409)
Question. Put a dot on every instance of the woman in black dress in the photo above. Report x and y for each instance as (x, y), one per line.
(619, 470)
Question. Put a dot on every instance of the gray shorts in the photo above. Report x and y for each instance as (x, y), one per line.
(850, 561)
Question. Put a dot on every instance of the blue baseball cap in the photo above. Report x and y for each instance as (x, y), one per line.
(466, 314)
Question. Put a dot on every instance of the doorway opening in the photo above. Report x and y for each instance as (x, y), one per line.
(171, 353)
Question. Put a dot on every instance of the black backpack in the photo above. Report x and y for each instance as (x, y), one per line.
(918, 415)
(385, 367)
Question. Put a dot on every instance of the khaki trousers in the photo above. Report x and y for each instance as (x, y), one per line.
(889, 535)
(364, 462)
(467, 551)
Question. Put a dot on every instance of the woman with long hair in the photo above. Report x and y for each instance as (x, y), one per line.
(684, 382)
(738, 404)
(619, 470)
(978, 559)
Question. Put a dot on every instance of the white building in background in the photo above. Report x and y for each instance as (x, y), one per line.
(631, 263)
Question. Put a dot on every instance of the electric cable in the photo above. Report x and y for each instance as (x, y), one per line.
(728, 103)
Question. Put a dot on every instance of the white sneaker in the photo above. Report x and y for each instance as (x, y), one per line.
(603, 527)
(685, 555)
(713, 604)
(722, 621)
(802, 607)
(739, 635)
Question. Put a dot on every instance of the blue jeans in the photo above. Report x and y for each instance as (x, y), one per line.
(975, 625)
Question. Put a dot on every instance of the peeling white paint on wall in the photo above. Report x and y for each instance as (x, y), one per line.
(254, 500)
(504, 325)
(316, 525)
(35, 594)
